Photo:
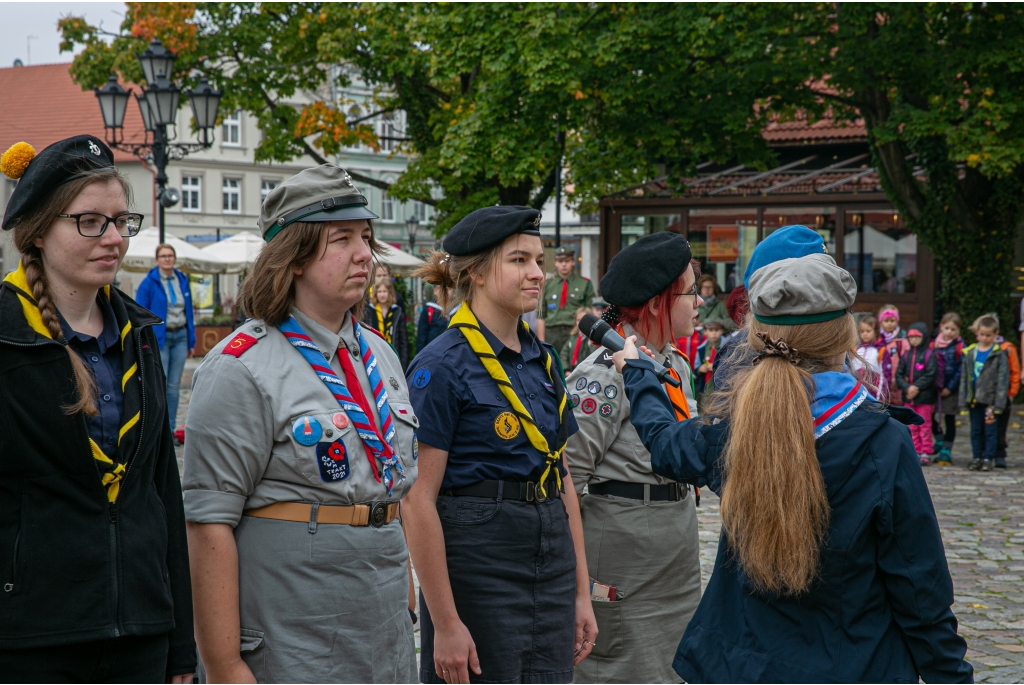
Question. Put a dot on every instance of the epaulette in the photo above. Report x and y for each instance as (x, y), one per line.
(239, 344)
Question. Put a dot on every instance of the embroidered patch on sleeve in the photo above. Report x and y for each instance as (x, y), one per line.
(239, 344)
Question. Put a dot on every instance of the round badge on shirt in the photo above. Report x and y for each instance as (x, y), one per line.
(581, 383)
(610, 391)
(506, 425)
(340, 420)
(594, 388)
(306, 430)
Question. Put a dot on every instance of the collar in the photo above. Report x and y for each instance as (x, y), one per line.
(664, 353)
(530, 348)
(106, 339)
(836, 396)
(21, 324)
(327, 341)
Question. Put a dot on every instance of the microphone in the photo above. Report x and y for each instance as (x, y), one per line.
(601, 333)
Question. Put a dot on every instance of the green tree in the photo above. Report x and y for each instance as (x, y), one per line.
(941, 89)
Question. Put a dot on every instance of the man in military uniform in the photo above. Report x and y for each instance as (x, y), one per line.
(564, 293)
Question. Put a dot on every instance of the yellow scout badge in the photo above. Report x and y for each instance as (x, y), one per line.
(506, 425)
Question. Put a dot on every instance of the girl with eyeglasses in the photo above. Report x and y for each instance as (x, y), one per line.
(640, 529)
(93, 560)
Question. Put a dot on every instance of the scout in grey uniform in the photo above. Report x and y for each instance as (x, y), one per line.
(301, 442)
(640, 529)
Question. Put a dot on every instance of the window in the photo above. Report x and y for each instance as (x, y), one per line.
(191, 191)
(722, 240)
(265, 188)
(387, 207)
(387, 132)
(232, 196)
(880, 252)
(419, 210)
(231, 130)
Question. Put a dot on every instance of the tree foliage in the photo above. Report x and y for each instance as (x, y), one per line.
(638, 90)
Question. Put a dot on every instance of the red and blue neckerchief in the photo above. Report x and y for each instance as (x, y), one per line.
(836, 396)
(378, 448)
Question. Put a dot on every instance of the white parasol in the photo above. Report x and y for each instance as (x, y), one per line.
(141, 255)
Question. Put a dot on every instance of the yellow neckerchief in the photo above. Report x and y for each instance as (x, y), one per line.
(380, 323)
(676, 396)
(466, 321)
(112, 472)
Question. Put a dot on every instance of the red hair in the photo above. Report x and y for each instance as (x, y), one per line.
(658, 328)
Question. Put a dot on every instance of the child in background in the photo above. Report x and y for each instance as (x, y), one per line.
(1003, 420)
(870, 352)
(916, 374)
(577, 347)
(949, 347)
(889, 320)
(894, 344)
(688, 346)
(706, 354)
(984, 387)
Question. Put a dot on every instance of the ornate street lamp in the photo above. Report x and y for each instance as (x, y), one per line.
(158, 104)
(412, 225)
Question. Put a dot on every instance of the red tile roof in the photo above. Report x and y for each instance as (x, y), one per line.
(823, 130)
(41, 105)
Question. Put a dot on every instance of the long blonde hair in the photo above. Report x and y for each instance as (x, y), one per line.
(34, 224)
(775, 510)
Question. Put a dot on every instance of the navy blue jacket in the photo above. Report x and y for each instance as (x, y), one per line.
(433, 323)
(152, 296)
(880, 610)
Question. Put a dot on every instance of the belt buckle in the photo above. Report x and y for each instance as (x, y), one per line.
(537, 496)
(378, 514)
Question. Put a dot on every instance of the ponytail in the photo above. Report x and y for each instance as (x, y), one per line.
(35, 274)
(775, 510)
(452, 277)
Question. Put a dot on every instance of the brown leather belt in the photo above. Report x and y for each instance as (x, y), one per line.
(374, 514)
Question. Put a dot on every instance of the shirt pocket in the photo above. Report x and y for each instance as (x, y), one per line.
(323, 446)
(405, 422)
(489, 395)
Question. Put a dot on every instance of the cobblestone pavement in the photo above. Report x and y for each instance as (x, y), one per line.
(981, 516)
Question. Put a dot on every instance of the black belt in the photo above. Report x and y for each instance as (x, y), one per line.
(670, 492)
(175, 330)
(510, 489)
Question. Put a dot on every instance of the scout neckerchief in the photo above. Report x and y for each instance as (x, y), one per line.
(836, 395)
(580, 339)
(465, 320)
(676, 396)
(379, 447)
(112, 471)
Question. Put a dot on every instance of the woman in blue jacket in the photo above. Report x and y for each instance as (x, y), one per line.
(830, 567)
(166, 292)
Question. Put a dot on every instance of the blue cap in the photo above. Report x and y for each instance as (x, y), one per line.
(789, 242)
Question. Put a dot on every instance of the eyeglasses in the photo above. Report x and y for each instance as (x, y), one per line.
(692, 292)
(93, 225)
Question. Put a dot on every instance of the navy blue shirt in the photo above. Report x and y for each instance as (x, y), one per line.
(460, 408)
(103, 356)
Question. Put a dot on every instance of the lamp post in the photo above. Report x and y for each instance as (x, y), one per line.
(158, 103)
(412, 225)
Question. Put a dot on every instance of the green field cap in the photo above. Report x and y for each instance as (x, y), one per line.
(322, 193)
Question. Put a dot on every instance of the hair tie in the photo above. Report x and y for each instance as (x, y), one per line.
(611, 315)
(776, 348)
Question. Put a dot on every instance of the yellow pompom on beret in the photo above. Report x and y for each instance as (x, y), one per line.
(15, 161)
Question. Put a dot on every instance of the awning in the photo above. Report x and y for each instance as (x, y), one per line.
(141, 255)
(238, 252)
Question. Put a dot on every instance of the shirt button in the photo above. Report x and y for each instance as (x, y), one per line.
(532, 396)
(110, 440)
(95, 358)
(106, 398)
(519, 366)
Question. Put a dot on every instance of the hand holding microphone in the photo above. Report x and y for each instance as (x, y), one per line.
(600, 332)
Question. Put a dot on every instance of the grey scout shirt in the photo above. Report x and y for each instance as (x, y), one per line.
(607, 447)
(242, 453)
(175, 301)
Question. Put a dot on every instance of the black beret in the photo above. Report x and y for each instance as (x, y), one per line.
(645, 269)
(489, 226)
(57, 164)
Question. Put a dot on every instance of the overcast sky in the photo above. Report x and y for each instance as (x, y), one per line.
(20, 20)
